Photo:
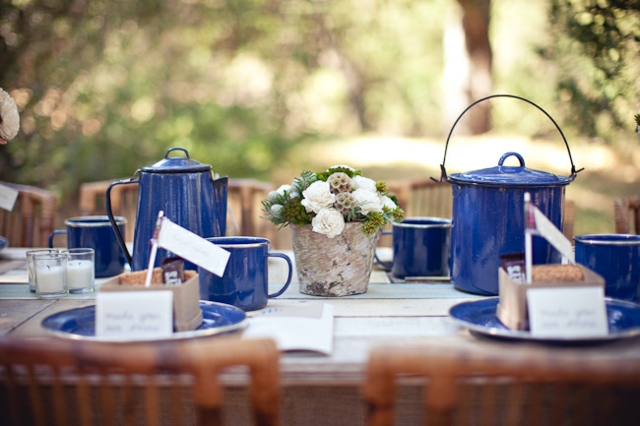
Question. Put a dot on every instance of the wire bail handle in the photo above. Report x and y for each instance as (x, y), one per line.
(443, 171)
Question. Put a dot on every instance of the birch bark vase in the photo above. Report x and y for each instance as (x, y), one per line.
(333, 267)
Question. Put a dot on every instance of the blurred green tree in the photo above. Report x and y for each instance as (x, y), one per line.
(596, 51)
(105, 87)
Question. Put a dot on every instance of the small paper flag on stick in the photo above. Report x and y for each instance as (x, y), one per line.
(536, 223)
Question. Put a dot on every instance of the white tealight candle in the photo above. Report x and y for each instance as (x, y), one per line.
(79, 274)
(50, 279)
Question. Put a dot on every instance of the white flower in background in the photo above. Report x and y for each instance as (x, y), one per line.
(9, 117)
(317, 196)
(359, 182)
(328, 222)
(274, 195)
(276, 210)
(283, 188)
(369, 201)
(388, 203)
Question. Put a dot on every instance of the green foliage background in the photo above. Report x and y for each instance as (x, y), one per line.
(106, 87)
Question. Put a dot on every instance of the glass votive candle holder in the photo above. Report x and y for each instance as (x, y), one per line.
(80, 270)
(51, 275)
(30, 269)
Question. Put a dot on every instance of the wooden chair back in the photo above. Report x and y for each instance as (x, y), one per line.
(481, 389)
(245, 208)
(85, 383)
(31, 221)
(124, 202)
(423, 197)
(626, 212)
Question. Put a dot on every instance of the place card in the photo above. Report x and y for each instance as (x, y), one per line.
(8, 197)
(192, 247)
(565, 312)
(134, 314)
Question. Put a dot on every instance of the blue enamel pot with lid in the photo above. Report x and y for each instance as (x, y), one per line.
(488, 215)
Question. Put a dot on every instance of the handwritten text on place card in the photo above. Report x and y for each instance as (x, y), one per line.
(134, 314)
(8, 197)
(567, 312)
(192, 247)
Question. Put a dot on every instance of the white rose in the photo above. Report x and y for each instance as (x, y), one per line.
(359, 182)
(369, 201)
(328, 222)
(388, 203)
(317, 196)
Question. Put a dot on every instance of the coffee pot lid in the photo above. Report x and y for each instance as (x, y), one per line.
(177, 164)
(501, 175)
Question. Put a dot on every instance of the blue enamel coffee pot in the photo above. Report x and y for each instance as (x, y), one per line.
(187, 193)
(488, 215)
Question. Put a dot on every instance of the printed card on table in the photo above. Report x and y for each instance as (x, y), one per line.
(134, 314)
(567, 312)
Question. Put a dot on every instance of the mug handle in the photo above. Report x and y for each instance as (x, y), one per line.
(386, 266)
(283, 289)
(54, 233)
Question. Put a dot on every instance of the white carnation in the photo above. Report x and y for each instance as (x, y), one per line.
(388, 203)
(369, 201)
(317, 196)
(359, 182)
(328, 222)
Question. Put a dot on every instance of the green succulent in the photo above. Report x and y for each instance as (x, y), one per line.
(294, 212)
(335, 169)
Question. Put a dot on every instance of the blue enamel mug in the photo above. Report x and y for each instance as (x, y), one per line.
(421, 247)
(617, 258)
(96, 232)
(245, 282)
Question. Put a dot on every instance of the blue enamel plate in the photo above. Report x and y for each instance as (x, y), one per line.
(480, 316)
(3, 242)
(79, 323)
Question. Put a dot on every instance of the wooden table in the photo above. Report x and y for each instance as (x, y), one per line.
(320, 389)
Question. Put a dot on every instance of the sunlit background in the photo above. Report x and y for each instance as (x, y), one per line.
(263, 89)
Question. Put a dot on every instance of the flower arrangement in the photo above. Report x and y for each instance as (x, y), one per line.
(9, 118)
(329, 199)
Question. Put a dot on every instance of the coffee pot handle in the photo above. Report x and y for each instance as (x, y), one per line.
(112, 220)
(443, 170)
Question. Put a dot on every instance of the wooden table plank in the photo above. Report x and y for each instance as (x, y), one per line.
(14, 313)
(32, 328)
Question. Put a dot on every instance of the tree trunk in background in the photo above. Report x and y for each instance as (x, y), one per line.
(467, 69)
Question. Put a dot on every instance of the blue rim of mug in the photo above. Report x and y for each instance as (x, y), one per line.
(433, 222)
(239, 241)
(608, 239)
(93, 221)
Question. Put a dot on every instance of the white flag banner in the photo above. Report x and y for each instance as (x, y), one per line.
(538, 224)
(192, 247)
